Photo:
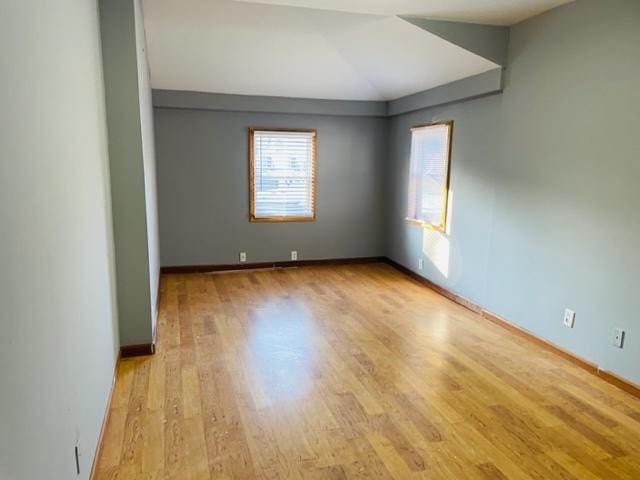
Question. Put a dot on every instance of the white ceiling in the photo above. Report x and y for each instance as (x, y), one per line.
(238, 47)
(494, 12)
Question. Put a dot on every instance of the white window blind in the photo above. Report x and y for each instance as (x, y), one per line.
(429, 174)
(282, 175)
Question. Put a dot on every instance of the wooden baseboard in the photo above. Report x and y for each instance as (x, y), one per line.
(127, 351)
(434, 286)
(143, 349)
(621, 383)
(154, 333)
(283, 264)
(590, 367)
(105, 419)
(579, 361)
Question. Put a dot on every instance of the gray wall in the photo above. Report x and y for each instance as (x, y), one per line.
(203, 189)
(544, 185)
(148, 159)
(58, 316)
(543, 199)
(132, 167)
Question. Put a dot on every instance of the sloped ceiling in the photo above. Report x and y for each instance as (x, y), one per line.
(492, 12)
(248, 48)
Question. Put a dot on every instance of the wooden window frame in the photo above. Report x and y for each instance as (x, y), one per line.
(314, 155)
(442, 225)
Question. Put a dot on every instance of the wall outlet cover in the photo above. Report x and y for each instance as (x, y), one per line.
(569, 317)
(243, 256)
(420, 263)
(618, 337)
(294, 255)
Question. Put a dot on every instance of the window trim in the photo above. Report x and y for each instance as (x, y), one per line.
(314, 156)
(442, 225)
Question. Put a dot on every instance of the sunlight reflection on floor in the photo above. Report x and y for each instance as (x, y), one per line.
(279, 347)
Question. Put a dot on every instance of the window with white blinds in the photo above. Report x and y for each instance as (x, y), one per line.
(429, 174)
(282, 175)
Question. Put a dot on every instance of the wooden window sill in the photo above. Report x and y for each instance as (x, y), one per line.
(281, 219)
(428, 226)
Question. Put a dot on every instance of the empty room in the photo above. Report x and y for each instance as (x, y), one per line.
(320, 239)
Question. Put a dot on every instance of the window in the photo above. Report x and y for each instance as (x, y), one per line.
(282, 175)
(429, 174)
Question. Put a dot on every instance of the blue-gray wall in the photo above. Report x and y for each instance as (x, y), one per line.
(545, 196)
(132, 165)
(58, 323)
(148, 160)
(543, 189)
(203, 183)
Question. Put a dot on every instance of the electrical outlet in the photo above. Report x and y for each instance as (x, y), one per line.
(618, 337)
(294, 255)
(569, 317)
(420, 263)
(243, 256)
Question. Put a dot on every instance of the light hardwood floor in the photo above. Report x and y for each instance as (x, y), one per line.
(353, 372)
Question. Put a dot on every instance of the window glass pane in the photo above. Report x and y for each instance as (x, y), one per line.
(429, 174)
(283, 174)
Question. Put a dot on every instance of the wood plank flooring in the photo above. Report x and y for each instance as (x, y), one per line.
(353, 372)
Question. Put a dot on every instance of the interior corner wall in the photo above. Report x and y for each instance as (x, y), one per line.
(148, 159)
(203, 183)
(131, 152)
(59, 337)
(544, 190)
